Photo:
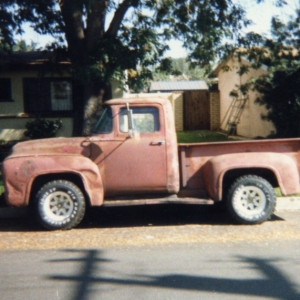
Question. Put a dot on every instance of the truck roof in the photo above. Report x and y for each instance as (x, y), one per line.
(136, 100)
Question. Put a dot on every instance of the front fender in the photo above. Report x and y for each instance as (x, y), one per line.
(20, 173)
(283, 167)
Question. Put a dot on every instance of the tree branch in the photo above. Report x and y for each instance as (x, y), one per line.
(118, 18)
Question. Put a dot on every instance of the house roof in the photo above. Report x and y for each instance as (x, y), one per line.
(170, 86)
(217, 68)
(20, 59)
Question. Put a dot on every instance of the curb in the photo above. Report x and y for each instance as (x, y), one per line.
(288, 203)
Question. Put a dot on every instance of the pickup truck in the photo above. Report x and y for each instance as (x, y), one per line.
(132, 157)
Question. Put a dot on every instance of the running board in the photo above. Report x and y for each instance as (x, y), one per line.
(166, 200)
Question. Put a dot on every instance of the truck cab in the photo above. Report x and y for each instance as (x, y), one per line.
(135, 148)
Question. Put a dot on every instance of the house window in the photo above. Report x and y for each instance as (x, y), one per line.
(145, 119)
(47, 95)
(61, 95)
(5, 90)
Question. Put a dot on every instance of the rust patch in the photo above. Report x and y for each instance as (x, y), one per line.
(27, 168)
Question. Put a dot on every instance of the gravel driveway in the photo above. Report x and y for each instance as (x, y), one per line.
(143, 225)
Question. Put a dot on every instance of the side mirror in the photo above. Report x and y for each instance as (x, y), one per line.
(130, 121)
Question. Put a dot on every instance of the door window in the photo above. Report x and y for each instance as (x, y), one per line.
(145, 119)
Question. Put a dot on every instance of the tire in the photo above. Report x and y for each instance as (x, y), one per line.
(251, 200)
(60, 204)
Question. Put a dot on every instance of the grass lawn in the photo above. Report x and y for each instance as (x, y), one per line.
(201, 136)
(278, 193)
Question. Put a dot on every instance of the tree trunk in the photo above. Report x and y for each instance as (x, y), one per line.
(84, 28)
(88, 100)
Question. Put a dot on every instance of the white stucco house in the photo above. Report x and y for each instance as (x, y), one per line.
(241, 114)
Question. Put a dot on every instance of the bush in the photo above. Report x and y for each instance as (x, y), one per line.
(41, 128)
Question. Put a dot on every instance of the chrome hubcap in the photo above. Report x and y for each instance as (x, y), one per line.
(59, 206)
(251, 200)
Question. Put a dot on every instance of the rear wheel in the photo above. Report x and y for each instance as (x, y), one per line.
(60, 204)
(251, 200)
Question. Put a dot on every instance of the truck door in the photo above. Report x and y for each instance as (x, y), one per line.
(136, 163)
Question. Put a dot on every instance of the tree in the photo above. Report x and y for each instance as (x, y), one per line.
(21, 45)
(281, 89)
(180, 69)
(135, 38)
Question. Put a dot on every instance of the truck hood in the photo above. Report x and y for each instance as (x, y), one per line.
(53, 146)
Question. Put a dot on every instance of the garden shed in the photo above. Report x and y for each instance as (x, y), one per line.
(199, 107)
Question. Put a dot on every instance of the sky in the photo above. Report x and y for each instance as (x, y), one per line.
(260, 14)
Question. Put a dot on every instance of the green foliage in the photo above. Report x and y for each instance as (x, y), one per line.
(41, 128)
(281, 94)
(281, 87)
(243, 70)
(180, 68)
(1, 188)
(21, 45)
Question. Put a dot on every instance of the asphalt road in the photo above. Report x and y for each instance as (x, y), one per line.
(157, 252)
(230, 271)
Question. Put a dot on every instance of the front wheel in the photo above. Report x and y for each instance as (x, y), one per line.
(60, 204)
(251, 200)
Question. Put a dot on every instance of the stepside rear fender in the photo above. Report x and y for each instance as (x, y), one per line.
(21, 172)
(282, 166)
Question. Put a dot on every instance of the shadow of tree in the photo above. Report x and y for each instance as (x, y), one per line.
(271, 283)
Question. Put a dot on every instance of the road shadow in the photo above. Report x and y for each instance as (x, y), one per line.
(269, 281)
(128, 216)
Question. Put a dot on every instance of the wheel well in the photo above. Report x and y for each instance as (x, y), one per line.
(43, 179)
(232, 175)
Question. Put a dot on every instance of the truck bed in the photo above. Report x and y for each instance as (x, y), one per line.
(197, 160)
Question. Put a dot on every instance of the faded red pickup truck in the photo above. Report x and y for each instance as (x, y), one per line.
(132, 157)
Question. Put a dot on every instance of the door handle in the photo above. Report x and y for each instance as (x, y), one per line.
(158, 142)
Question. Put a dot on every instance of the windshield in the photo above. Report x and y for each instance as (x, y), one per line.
(105, 123)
